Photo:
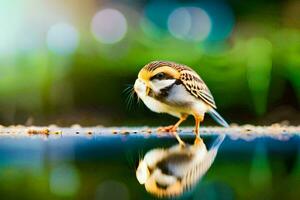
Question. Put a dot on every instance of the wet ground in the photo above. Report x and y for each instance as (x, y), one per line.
(100, 163)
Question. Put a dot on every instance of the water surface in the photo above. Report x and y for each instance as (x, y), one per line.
(103, 166)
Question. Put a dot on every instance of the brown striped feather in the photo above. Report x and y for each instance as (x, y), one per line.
(156, 64)
(196, 86)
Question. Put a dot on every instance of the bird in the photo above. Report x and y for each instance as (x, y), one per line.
(176, 89)
(173, 171)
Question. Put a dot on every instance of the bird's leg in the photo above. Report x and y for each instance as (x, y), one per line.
(178, 139)
(173, 128)
(198, 119)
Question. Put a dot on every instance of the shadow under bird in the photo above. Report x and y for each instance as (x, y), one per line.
(176, 89)
(172, 172)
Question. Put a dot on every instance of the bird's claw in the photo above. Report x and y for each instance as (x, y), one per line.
(168, 129)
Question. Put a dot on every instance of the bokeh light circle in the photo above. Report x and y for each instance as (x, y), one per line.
(179, 23)
(62, 38)
(109, 26)
(222, 19)
(189, 23)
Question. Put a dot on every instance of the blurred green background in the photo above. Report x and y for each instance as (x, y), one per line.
(68, 61)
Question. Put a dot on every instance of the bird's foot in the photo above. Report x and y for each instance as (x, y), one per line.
(168, 129)
(198, 141)
(172, 130)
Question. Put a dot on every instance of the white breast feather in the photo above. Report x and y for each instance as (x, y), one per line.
(151, 103)
(178, 95)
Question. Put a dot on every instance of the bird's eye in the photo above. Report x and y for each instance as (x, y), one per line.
(159, 76)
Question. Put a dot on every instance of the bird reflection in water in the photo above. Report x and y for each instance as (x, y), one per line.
(173, 171)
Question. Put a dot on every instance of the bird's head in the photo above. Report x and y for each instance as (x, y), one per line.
(154, 77)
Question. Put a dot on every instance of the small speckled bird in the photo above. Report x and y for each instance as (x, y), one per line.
(173, 171)
(176, 89)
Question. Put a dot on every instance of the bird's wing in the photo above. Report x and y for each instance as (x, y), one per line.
(196, 86)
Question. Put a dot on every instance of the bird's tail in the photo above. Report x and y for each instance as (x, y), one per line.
(217, 117)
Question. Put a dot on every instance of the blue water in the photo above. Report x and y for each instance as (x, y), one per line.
(103, 167)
